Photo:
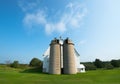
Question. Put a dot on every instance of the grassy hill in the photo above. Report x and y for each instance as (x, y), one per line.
(31, 76)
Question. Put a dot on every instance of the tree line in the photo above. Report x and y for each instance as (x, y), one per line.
(35, 62)
(98, 64)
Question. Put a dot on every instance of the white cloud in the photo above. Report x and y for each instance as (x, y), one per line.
(26, 6)
(70, 18)
(34, 19)
(76, 14)
(82, 42)
(58, 27)
(49, 28)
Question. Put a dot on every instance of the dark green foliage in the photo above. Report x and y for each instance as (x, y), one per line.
(35, 62)
(108, 66)
(115, 63)
(89, 66)
(98, 63)
(15, 64)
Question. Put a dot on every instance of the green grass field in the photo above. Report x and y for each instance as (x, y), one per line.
(19, 76)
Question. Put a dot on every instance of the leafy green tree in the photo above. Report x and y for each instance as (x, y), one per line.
(15, 64)
(115, 63)
(98, 63)
(35, 62)
(89, 66)
(108, 66)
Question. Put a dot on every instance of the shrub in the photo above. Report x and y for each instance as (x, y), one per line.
(35, 62)
(90, 66)
(108, 66)
(115, 63)
(15, 64)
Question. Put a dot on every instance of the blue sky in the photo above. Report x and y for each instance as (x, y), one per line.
(28, 26)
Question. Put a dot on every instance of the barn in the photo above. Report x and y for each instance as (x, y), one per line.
(79, 68)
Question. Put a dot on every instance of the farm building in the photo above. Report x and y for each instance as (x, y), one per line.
(62, 58)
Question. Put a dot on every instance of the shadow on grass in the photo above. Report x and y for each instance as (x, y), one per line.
(33, 70)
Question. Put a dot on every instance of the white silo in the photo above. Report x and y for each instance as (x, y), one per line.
(69, 66)
(54, 61)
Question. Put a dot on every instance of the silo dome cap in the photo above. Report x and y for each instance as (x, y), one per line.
(67, 40)
(55, 41)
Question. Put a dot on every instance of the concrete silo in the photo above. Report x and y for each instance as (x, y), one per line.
(54, 61)
(69, 66)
